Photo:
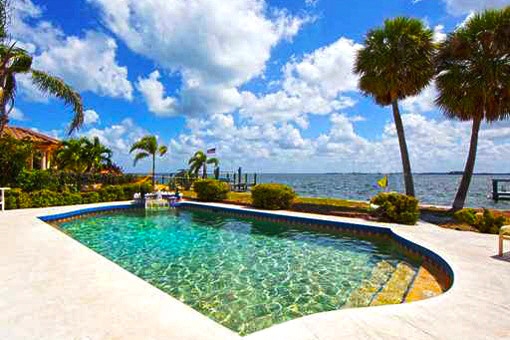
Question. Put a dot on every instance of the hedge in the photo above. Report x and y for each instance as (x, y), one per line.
(211, 190)
(395, 207)
(272, 196)
(18, 199)
(34, 180)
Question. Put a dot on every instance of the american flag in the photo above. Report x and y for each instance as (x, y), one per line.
(211, 151)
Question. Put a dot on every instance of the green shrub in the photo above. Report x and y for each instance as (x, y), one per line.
(211, 190)
(45, 198)
(17, 199)
(32, 180)
(112, 193)
(90, 197)
(488, 223)
(466, 215)
(272, 196)
(397, 208)
(69, 198)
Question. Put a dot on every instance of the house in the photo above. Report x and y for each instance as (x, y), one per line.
(44, 145)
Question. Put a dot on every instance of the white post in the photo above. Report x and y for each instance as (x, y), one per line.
(3, 197)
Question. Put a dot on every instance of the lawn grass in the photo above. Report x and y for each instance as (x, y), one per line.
(349, 208)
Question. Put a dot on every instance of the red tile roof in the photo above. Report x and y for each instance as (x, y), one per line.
(33, 136)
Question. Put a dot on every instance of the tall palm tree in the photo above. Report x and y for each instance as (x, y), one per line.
(473, 79)
(200, 160)
(396, 62)
(148, 146)
(96, 155)
(15, 61)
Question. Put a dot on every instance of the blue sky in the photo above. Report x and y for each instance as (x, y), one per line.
(269, 84)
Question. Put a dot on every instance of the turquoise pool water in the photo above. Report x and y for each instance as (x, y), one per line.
(245, 274)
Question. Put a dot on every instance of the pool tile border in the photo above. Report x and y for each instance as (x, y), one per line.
(430, 260)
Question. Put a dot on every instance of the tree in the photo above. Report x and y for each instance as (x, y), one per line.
(71, 155)
(200, 161)
(15, 61)
(83, 155)
(148, 146)
(14, 157)
(396, 62)
(473, 79)
(96, 155)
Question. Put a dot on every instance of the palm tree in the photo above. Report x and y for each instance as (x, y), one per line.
(396, 62)
(148, 146)
(71, 155)
(96, 155)
(14, 61)
(473, 79)
(200, 160)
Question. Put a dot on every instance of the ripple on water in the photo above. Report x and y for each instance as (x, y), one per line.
(245, 274)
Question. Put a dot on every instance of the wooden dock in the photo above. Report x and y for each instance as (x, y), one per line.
(499, 193)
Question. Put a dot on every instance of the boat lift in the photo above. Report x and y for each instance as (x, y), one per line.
(501, 192)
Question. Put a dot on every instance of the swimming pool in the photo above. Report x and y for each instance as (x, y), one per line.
(249, 274)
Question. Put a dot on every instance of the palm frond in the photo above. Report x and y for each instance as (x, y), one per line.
(214, 161)
(147, 143)
(58, 88)
(162, 150)
(396, 60)
(140, 156)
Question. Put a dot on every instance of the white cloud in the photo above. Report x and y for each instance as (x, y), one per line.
(461, 7)
(17, 114)
(423, 102)
(216, 46)
(434, 145)
(316, 84)
(439, 34)
(311, 3)
(87, 63)
(118, 137)
(90, 117)
(153, 92)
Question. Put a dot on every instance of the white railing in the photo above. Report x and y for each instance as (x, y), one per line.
(2, 202)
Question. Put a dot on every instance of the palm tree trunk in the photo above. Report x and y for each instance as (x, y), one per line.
(153, 171)
(4, 119)
(204, 171)
(460, 198)
(406, 164)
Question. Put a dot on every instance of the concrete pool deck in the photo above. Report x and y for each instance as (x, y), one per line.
(53, 287)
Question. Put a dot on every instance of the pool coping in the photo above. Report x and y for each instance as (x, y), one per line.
(431, 260)
(472, 308)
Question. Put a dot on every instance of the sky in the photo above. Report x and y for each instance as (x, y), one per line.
(269, 84)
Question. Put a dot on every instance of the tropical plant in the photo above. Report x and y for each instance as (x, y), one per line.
(15, 61)
(14, 157)
(96, 155)
(200, 161)
(473, 79)
(146, 147)
(70, 156)
(396, 62)
(83, 155)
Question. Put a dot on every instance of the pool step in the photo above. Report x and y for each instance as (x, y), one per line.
(363, 295)
(425, 286)
(395, 289)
